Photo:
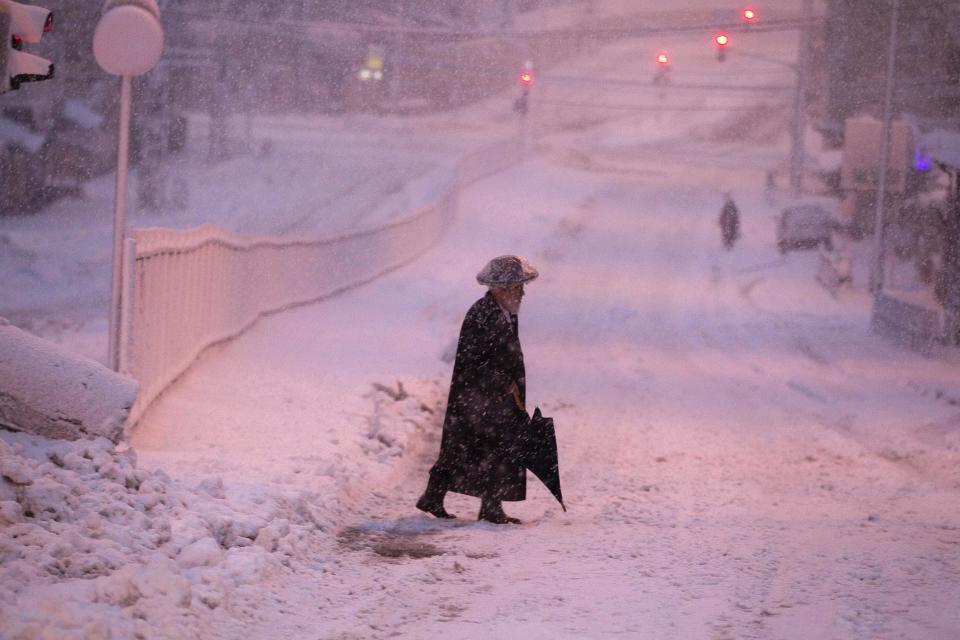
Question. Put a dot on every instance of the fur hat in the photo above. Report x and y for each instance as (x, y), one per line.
(506, 271)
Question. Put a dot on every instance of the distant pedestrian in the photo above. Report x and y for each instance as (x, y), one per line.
(729, 222)
(486, 405)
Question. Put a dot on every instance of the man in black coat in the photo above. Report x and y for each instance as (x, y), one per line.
(729, 221)
(486, 402)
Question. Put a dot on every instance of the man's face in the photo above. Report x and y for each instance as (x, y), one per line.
(509, 297)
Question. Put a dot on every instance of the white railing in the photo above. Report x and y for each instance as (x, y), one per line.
(186, 290)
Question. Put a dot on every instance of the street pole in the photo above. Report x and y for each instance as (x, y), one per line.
(797, 151)
(879, 224)
(4, 29)
(398, 44)
(119, 223)
(508, 14)
(127, 42)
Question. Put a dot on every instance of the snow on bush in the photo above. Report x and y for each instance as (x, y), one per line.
(92, 546)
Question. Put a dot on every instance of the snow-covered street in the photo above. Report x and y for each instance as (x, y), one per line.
(741, 456)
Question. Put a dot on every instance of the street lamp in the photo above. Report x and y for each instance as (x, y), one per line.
(128, 41)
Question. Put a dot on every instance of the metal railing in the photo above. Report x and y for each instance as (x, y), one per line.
(187, 290)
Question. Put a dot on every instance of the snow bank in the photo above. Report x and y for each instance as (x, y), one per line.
(51, 392)
(93, 546)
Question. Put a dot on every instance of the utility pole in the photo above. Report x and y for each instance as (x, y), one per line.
(797, 151)
(508, 15)
(128, 41)
(398, 44)
(879, 225)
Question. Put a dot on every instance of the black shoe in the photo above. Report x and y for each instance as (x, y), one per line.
(433, 508)
(497, 517)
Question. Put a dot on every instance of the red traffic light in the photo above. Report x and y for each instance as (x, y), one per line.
(721, 40)
(526, 78)
(16, 42)
(750, 15)
(663, 59)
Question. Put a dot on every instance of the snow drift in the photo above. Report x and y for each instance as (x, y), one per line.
(49, 391)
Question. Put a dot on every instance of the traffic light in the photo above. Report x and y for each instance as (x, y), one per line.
(19, 24)
(662, 76)
(521, 104)
(749, 15)
(721, 40)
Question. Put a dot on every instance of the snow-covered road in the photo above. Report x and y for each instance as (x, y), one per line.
(741, 457)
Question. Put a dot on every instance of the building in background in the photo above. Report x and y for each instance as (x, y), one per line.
(928, 60)
(920, 300)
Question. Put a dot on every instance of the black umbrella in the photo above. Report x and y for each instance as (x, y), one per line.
(536, 449)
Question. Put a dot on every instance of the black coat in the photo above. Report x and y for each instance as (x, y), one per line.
(482, 416)
(730, 223)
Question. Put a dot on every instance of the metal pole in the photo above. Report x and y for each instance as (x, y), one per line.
(398, 45)
(4, 31)
(126, 307)
(119, 224)
(523, 129)
(508, 14)
(876, 276)
(797, 151)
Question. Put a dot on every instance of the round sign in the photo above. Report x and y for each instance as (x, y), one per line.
(128, 40)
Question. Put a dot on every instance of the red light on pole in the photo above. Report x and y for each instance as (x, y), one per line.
(721, 40)
(663, 59)
(750, 15)
(526, 78)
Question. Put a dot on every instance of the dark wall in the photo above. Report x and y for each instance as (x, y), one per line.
(927, 66)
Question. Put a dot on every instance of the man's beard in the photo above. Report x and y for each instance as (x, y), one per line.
(512, 306)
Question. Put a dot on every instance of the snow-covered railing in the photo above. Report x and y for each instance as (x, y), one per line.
(186, 290)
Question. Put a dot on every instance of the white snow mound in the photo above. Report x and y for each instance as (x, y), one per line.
(47, 390)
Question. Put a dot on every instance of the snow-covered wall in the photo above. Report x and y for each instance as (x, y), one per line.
(49, 391)
(190, 289)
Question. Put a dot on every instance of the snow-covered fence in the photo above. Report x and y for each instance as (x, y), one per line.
(187, 290)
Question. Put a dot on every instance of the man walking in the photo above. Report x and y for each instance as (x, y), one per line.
(486, 405)
(729, 222)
